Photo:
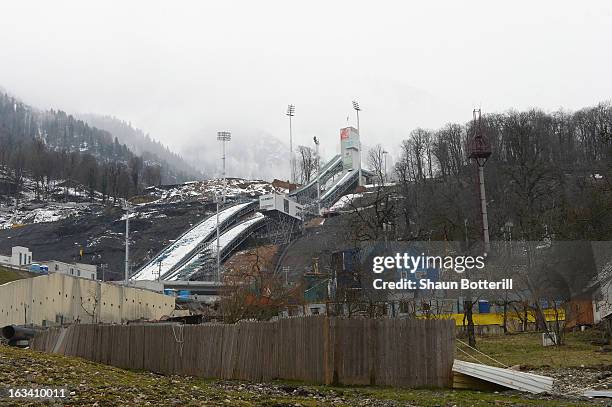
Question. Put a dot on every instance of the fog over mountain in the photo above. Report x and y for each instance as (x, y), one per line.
(255, 155)
(182, 72)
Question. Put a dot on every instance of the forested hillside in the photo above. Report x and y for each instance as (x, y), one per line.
(139, 142)
(549, 176)
(52, 146)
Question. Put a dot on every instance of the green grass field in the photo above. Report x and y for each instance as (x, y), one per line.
(527, 350)
(7, 275)
(95, 384)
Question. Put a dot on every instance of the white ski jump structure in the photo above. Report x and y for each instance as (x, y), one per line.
(227, 241)
(171, 256)
(193, 250)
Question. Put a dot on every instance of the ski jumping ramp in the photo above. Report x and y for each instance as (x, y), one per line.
(229, 240)
(189, 241)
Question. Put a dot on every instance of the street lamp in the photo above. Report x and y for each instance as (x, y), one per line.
(223, 137)
(358, 109)
(291, 113)
(316, 141)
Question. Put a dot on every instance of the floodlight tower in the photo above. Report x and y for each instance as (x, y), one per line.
(480, 151)
(223, 137)
(316, 141)
(358, 109)
(291, 113)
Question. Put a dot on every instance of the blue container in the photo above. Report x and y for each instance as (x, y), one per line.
(484, 307)
(170, 292)
(184, 293)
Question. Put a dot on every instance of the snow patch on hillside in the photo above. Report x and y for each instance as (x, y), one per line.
(207, 190)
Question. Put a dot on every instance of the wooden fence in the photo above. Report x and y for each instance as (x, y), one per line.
(394, 352)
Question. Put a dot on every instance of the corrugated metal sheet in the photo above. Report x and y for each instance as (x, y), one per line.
(598, 393)
(513, 379)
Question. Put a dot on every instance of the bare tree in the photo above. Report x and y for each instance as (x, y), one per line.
(307, 163)
(91, 303)
(253, 289)
(376, 162)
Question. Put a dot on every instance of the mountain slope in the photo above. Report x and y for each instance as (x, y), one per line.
(140, 143)
(53, 147)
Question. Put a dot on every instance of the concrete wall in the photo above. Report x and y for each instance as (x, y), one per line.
(54, 298)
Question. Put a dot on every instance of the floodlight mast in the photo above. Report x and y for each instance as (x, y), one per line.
(291, 113)
(358, 109)
(223, 137)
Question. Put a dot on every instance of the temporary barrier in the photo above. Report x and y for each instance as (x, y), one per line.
(316, 349)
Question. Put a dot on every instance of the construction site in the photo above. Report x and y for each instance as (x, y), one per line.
(279, 286)
(303, 204)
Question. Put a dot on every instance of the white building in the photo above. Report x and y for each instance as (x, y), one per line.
(20, 257)
(88, 271)
(282, 203)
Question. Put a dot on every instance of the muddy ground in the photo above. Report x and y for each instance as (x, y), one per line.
(100, 233)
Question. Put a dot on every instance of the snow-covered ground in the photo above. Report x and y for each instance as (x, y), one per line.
(49, 212)
(61, 202)
(174, 253)
(65, 201)
(344, 201)
(225, 239)
(206, 190)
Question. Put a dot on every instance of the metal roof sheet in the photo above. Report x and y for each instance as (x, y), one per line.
(513, 379)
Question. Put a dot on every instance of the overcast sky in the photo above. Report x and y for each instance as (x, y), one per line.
(182, 70)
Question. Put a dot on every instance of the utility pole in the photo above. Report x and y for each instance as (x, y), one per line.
(480, 151)
(291, 113)
(316, 141)
(358, 109)
(127, 242)
(104, 267)
(286, 271)
(465, 227)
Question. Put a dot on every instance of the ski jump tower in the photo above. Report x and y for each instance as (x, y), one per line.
(339, 176)
(350, 147)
